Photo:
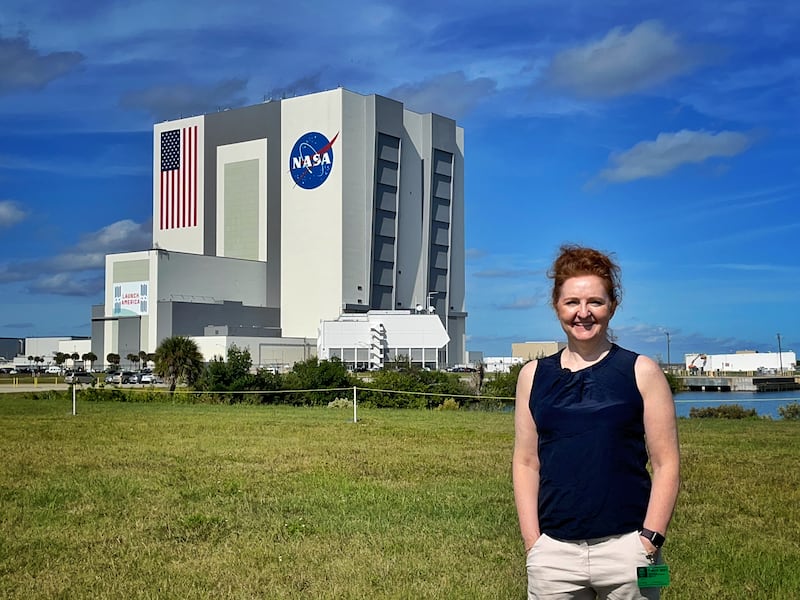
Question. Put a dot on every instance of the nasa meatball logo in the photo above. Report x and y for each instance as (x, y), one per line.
(311, 160)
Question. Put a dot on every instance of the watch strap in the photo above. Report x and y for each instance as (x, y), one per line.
(655, 538)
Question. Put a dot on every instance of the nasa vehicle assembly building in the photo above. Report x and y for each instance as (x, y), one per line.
(269, 219)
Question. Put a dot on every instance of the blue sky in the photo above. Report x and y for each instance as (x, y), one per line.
(667, 133)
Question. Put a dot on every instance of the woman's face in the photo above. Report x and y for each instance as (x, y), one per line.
(584, 308)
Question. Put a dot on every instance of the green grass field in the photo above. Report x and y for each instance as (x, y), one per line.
(129, 500)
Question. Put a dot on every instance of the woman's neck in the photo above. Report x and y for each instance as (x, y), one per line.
(578, 355)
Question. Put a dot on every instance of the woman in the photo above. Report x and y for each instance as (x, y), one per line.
(587, 418)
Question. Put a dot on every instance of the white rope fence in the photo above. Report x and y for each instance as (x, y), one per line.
(355, 389)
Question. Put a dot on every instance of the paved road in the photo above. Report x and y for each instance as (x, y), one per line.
(42, 387)
(29, 387)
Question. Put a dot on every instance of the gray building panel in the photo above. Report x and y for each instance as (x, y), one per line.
(242, 125)
(129, 339)
(191, 318)
(11, 347)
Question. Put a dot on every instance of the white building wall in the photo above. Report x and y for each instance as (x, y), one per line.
(744, 362)
(369, 334)
(277, 353)
(412, 258)
(354, 159)
(501, 364)
(45, 347)
(168, 231)
(81, 347)
(311, 219)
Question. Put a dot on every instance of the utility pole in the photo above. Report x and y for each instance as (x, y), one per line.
(780, 355)
(668, 358)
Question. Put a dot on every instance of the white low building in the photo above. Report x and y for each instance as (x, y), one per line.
(501, 364)
(742, 362)
(367, 341)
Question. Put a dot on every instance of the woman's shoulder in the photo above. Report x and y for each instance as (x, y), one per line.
(645, 364)
(528, 369)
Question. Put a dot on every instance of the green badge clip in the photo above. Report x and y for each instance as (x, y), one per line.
(653, 576)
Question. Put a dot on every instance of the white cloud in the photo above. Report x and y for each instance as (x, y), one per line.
(59, 274)
(671, 150)
(121, 236)
(520, 303)
(622, 62)
(10, 213)
(451, 94)
(66, 284)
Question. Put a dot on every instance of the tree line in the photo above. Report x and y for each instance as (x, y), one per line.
(400, 384)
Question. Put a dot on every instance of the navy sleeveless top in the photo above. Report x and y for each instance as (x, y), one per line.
(593, 479)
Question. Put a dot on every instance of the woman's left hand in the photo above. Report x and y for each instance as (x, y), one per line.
(648, 545)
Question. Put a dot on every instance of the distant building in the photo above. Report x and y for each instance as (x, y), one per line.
(20, 349)
(270, 219)
(501, 364)
(371, 340)
(11, 347)
(741, 362)
(533, 350)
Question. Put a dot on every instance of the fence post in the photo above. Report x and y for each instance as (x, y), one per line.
(355, 406)
(73, 400)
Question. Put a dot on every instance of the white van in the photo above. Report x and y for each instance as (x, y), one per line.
(53, 370)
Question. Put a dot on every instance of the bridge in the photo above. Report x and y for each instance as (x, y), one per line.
(711, 383)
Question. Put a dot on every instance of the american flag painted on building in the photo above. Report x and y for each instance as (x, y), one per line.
(178, 187)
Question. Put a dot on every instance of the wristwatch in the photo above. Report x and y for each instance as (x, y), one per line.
(655, 538)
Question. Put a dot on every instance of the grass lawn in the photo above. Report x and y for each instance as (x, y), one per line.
(135, 500)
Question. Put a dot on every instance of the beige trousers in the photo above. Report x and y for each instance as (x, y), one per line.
(588, 569)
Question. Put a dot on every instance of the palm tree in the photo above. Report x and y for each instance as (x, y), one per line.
(143, 358)
(90, 357)
(178, 359)
(113, 359)
(133, 358)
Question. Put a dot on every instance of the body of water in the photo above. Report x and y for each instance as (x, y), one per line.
(765, 403)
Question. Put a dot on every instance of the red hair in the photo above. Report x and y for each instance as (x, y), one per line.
(574, 261)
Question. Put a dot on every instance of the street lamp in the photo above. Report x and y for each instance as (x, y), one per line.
(668, 358)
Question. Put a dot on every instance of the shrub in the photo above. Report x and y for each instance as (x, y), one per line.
(50, 395)
(790, 412)
(503, 385)
(315, 374)
(449, 404)
(340, 403)
(725, 411)
(411, 380)
(103, 394)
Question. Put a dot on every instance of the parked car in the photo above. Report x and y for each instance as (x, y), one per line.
(150, 378)
(79, 377)
(122, 377)
(53, 370)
